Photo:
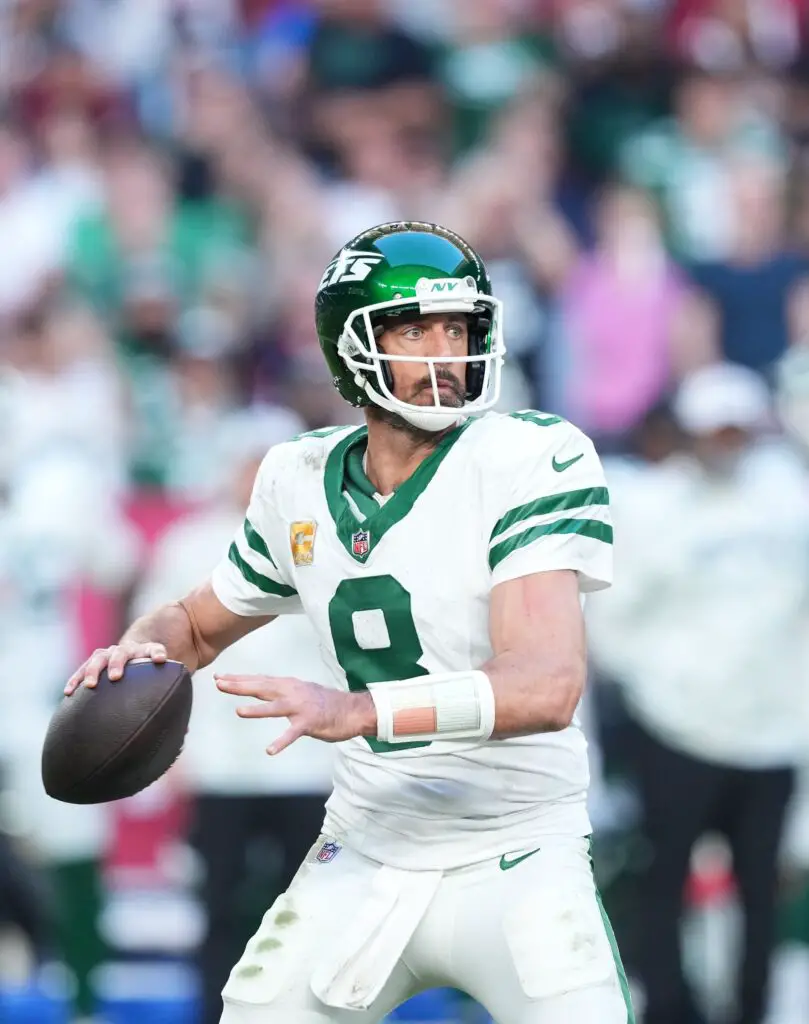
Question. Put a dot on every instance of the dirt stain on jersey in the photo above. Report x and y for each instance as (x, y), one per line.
(268, 945)
(313, 459)
(583, 941)
(285, 918)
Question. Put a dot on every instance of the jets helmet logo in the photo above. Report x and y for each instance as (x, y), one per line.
(350, 265)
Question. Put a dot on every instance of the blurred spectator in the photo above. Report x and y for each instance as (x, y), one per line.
(797, 111)
(59, 80)
(37, 209)
(244, 803)
(792, 369)
(752, 286)
(684, 160)
(717, 34)
(25, 907)
(143, 260)
(366, 76)
(495, 56)
(60, 525)
(59, 392)
(652, 440)
(144, 252)
(356, 46)
(619, 77)
(521, 223)
(618, 311)
(705, 635)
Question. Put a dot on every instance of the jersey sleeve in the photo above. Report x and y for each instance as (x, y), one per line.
(251, 579)
(555, 512)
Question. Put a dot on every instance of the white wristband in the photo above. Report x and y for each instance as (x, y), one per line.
(448, 706)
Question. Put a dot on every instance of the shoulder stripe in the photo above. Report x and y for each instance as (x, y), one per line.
(257, 542)
(539, 419)
(322, 432)
(583, 527)
(264, 583)
(553, 503)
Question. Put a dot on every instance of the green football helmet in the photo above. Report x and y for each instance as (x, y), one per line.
(403, 268)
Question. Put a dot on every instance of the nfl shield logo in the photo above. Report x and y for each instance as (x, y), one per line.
(328, 851)
(361, 542)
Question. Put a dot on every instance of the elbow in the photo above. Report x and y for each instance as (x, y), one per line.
(558, 721)
(566, 694)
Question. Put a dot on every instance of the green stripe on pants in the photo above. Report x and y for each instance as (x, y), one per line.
(616, 956)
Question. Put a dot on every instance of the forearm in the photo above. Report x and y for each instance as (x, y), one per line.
(193, 631)
(533, 694)
(512, 695)
(172, 626)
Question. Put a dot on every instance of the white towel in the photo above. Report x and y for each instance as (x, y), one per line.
(354, 976)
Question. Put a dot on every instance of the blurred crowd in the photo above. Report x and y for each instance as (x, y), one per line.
(174, 176)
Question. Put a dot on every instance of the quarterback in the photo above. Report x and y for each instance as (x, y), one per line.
(441, 553)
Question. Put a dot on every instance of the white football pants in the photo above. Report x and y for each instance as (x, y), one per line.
(526, 936)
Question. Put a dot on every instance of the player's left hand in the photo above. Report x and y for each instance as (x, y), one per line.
(312, 710)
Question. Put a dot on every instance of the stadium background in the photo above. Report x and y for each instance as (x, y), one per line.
(174, 174)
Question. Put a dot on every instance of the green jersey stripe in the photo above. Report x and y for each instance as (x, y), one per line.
(257, 542)
(263, 583)
(584, 527)
(553, 503)
(538, 418)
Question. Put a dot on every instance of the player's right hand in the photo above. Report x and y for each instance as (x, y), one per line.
(113, 659)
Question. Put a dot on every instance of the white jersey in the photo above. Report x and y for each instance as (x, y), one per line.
(399, 588)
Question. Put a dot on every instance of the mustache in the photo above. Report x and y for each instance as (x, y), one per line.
(441, 377)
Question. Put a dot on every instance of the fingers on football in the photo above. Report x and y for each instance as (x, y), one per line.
(75, 680)
(94, 665)
(120, 655)
(114, 660)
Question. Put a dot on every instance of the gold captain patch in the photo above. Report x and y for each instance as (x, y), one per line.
(302, 541)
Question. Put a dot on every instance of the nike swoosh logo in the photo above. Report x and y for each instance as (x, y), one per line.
(505, 864)
(560, 467)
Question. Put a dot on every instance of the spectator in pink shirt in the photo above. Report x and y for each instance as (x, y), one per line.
(619, 310)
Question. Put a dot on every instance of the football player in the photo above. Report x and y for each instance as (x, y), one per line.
(441, 552)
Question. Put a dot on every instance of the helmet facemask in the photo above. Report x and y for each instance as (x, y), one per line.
(358, 349)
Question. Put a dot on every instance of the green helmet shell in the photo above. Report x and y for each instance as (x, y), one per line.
(384, 264)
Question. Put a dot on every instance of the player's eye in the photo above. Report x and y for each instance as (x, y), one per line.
(455, 331)
(413, 332)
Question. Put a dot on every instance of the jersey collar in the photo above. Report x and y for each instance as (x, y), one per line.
(344, 473)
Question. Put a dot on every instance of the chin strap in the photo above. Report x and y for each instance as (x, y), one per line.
(433, 422)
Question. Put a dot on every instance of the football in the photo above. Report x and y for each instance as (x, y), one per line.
(113, 740)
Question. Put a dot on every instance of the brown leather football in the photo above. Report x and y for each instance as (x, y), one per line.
(116, 739)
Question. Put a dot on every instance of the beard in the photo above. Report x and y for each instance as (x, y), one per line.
(418, 435)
